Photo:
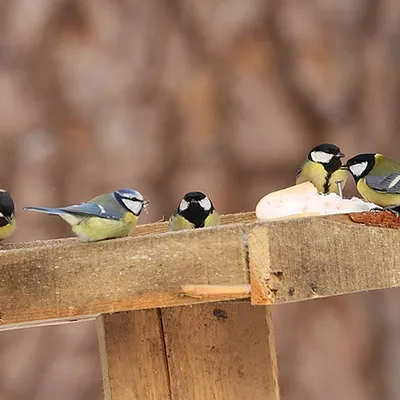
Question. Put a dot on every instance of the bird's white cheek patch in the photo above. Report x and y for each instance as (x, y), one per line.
(205, 203)
(358, 169)
(183, 205)
(321, 157)
(133, 205)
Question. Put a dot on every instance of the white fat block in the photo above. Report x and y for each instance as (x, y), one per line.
(303, 200)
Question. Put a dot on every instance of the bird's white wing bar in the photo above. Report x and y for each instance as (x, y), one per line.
(386, 184)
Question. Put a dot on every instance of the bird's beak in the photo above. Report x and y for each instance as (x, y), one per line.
(8, 219)
(345, 167)
(340, 155)
(145, 202)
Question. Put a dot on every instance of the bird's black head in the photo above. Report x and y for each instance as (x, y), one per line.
(195, 207)
(328, 155)
(6, 208)
(361, 165)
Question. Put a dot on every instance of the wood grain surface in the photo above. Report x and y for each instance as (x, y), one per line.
(132, 356)
(221, 351)
(318, 257)
(292, 260)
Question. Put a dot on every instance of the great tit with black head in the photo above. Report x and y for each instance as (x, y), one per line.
(7, 217)
(108, 216)
(323, 168)
(377, 178)
(194, 211)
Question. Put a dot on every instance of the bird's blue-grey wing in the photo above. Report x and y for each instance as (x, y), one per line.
(93, 210)
(389, 183)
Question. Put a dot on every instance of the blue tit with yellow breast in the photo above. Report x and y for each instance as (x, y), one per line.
(7, 216)
(377, 178)
(108, 216)
(323, 168)
(194, 211)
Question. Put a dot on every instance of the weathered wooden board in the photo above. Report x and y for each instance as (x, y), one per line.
(132, 355)
(76, 280)
(221, 351)
(316, 257)
(55, 281)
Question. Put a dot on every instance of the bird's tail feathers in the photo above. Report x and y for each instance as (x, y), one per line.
(46, 210)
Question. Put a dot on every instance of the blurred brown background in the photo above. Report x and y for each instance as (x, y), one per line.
(226, 97)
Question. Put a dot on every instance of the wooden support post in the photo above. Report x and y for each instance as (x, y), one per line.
(132, 356)
(221, 351)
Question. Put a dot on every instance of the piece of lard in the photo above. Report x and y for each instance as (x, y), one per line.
(303, 200)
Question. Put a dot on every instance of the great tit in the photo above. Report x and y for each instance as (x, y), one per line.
(7, 217)
(108, 216)
(323, 168)
(377, 178)
(194, 211)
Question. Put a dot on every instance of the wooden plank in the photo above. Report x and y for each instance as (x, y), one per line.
(221, 351)
(80, 280)
(132, 356)
(309, 258)
(56, 281)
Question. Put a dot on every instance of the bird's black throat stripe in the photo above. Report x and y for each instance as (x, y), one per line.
(196, 214)
(6, 207)
(330, 168)
(3, 222)
(327, 183)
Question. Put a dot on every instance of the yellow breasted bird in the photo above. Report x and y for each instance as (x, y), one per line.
(194, 211)
(323, 168)
(108, 216)
(7, 217)
(377, 178)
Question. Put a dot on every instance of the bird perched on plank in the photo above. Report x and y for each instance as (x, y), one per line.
(194, 211)
(108, 216)
(377, 178)
(323, 168)
(7, 217)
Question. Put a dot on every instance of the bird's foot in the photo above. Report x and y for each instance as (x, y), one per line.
(395, 210)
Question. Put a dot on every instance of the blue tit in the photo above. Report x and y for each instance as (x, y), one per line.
(194, 211)
(377, 179)
(7, 217)
(108, 216)
(323, 168)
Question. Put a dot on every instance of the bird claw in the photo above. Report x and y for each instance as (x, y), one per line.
(395, 210)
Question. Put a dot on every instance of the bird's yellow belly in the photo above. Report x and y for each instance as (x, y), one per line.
(339, 175)
(213, 219)
(93, 229)
(178, 223)
(380, 199)
(317, 175)
(7, 230)
(314, 173)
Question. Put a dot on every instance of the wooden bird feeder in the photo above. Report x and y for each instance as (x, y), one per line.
(165, 326)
